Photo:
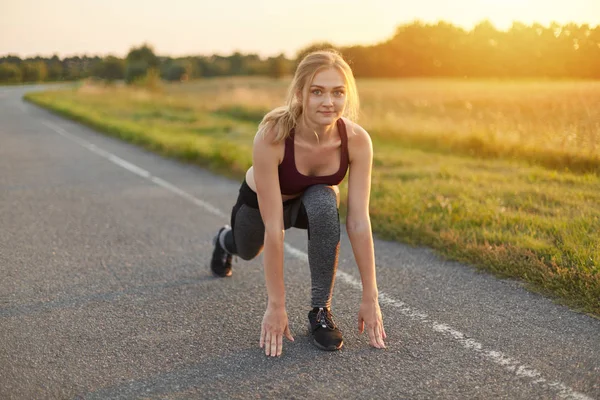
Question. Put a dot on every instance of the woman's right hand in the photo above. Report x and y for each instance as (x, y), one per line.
(274, 327)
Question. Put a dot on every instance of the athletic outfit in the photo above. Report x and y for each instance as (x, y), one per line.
(315, 210)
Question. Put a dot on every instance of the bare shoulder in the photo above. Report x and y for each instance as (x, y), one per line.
(264, 145)
(359, 140)
(266, 138)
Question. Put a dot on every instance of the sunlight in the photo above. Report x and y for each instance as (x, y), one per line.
(192, 28)
(502, 13)
(507, 3)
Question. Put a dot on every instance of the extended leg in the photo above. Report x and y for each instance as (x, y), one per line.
(321, 205)
(243, 238)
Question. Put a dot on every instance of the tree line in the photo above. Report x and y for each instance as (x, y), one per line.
(415, 50)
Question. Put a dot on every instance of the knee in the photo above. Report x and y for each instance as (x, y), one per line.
(321, 205)
(248, 254)
(322, 194)
(248, 245)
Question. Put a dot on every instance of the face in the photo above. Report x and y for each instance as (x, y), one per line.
(326, 97)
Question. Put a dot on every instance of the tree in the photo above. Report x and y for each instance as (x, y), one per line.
(55, 69)
(313, 47)
(278, 66)
(10, 73)
(236, 64)
(135, 70)
(178, 70)
(139, 61)
(33, 71)
(73, 68)
(111, 69)
(144, 53)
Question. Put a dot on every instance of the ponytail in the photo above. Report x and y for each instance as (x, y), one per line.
(281, 120)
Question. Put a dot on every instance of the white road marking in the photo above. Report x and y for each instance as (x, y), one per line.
(510, 364)
(135, 169)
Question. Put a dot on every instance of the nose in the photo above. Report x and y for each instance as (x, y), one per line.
(327, 99)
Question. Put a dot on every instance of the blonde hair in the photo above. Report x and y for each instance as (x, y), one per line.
(283, 119)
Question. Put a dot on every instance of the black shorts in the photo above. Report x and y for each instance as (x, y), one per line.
(294, 213)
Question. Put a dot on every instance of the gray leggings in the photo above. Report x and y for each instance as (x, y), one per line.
(316, 211)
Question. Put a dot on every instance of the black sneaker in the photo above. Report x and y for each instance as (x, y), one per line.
(326, 335)
(220, 264)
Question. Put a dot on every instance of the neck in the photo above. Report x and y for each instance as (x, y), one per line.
(307, 131)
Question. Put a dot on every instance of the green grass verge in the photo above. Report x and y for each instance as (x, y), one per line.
(504, 216)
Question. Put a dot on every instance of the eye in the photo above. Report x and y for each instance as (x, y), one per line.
(338, 93)
(316, 91)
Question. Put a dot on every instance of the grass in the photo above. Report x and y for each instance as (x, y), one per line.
(502, 175)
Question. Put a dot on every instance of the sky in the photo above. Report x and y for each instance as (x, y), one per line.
(264, 27)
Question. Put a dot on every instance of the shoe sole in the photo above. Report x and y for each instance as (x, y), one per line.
(330, 348)
(227, 275)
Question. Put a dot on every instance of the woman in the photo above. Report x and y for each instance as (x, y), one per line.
(301, 152)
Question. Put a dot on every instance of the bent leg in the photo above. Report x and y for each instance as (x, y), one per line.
(321, 205)
(245, 237)
(247, 234)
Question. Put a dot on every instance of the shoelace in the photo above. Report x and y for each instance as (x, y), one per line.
(324, 319)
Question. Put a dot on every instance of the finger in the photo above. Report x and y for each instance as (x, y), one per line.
(380, 337)
(267, 343)
(361, 325)
(372, 338)
(288, 334)
(279, 344)
(383, 329)
(273, 345)
(262, 337)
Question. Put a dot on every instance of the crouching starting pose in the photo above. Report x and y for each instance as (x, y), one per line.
(301, 152)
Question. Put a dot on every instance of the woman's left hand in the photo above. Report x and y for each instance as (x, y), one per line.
(370, 314)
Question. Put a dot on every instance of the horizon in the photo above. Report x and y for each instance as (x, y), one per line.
(64, 27)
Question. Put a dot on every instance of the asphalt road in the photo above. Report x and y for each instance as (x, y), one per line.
(105, 292)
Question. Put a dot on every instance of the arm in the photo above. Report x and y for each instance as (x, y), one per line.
(358, 225)
(265, 162)
(358, 222)
(266, 156)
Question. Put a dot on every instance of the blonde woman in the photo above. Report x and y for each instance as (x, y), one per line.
(301, 152)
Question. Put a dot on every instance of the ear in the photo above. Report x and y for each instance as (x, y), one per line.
(299, 96)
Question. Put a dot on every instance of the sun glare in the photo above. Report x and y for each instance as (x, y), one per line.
(502, 13)
(506, 3)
